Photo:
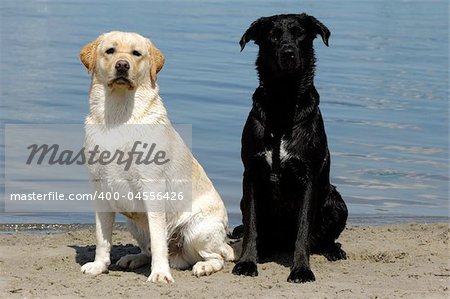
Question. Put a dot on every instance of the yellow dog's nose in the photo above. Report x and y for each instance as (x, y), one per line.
(122, 66)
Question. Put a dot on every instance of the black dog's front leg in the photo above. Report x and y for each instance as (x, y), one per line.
(247, 262)
(300, 269)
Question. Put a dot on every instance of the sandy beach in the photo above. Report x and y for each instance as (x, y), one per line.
(390, 261)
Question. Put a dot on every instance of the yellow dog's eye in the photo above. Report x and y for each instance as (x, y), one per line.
(136, 53)
(110, 51)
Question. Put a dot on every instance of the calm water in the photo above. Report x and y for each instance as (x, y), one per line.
(383, 83)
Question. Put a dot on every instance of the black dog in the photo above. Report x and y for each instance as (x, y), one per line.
(288, 202)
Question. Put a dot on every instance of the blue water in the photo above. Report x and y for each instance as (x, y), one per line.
(383, 84)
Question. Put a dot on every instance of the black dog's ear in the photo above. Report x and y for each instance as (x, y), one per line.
(318, 28)
(252, 32)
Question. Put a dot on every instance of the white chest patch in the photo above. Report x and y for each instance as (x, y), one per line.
(268, 155)
(284, 155)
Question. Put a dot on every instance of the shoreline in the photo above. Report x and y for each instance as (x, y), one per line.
(354, 220)
(387, 261)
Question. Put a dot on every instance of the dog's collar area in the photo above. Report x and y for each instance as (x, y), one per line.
(302, 91)
(310, 111)
(309, 115)
(301, 116)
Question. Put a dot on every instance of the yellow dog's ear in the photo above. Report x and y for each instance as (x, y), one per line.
(88, 54)
(156, 61)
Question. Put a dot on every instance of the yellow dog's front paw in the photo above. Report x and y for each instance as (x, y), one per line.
(94, 268)
(161, 277)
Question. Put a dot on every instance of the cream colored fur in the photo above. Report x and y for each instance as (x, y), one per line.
(113, 106)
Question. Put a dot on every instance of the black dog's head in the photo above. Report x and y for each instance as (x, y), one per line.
(285, 42)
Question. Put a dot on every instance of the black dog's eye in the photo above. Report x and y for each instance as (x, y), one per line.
(136, 53)
(297, 32)
(110, 51)
(276, 34)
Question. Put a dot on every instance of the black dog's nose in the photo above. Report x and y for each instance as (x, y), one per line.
(122, 66)
(288, 52)
(289, 57)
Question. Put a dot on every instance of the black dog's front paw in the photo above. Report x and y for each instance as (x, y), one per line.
(245, 268)
(301, 275)
(335, 253)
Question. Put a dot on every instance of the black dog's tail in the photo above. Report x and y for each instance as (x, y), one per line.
(238, 232)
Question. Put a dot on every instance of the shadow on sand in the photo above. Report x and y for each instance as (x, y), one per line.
(85, 254)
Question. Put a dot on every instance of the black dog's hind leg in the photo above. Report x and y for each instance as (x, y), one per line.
(330, 223)
(247, 262)
(300, 269)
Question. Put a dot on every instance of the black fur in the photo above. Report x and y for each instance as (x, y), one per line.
(288, 203)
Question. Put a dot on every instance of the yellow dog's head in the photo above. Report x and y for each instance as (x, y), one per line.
(122, 59)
